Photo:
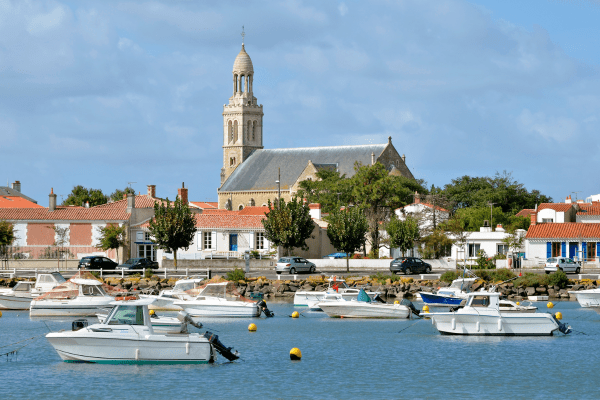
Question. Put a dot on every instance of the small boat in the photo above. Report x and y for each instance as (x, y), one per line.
(481, 316)
(127, 337)
(19, 297)
(184, 289)
(220, 300)
(76, 297)
(305, 298)
(160, 324)
(587, 298)
(335, 306)
(448, 297)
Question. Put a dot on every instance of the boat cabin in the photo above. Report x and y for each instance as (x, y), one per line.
(129, 313)
(89, 287)
(223, 290)
(23, 287)
(483, 300)
(463, 284)
(187, 284)
(340, 284)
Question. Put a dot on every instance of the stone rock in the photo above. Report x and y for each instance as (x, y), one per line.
(552, 292)
(541, 289)
(530, 291)
(576, 287)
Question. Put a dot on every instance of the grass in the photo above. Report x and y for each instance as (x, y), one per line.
(236, 275)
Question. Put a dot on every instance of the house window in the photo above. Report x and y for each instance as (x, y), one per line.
(260, 241)
(502, 249)
(207, 240)
(147, 251)
(474, 249)
(545, 220)
(591, 251)
(147, 237)
(556, 249)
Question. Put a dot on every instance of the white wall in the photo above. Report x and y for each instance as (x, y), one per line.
(20, 231)
(558, 217)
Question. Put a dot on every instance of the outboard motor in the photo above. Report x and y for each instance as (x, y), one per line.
(562, 327)
(263, 307)
(185, 317)
(220, 347)
(378, 298)
(79, 324)
(410, 306)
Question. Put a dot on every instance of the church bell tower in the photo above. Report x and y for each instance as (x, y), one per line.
(242, 117)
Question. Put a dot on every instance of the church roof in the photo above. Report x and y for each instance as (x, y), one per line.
(242, 62)
(259, 171)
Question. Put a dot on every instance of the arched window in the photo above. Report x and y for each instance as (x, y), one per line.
(230, 131)
(252, 204)
(253, 130)
(249, 130)
(241, 207)
(228, 205)
(235, 131)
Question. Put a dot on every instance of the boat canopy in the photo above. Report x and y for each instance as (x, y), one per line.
(81, 283)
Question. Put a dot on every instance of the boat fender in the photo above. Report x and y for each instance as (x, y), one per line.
(220, 347)
(453, 323)
(500, 325)
(477, 326)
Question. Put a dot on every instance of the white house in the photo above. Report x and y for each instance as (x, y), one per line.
(487, 240)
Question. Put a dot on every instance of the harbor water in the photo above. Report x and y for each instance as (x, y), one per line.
(341, 359)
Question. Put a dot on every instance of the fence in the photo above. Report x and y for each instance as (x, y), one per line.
(182, 273)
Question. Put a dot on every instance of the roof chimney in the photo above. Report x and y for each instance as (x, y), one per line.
(404, 158)
(152, 190)
(568, 199)
(183, 193)
(533, 216)
(16, 186)
(130, 202)
(417, 197)
(372, 158)
(315, 210)
(52, 200)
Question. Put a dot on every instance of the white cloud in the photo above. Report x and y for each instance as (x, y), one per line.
(40, 24)
(556, 128)
(343, 9)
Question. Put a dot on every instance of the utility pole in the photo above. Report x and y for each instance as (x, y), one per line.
(491, 214)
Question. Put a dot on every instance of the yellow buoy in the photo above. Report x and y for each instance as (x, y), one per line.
(426, 308)
(396, 302)
(295, 354)
(0, 314)
(151, 312)
(295, 314)
(518, 303)
(558, 315)
(252, 327)
(549, 305)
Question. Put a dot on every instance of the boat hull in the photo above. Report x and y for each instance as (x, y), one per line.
(69, 308)
(440, 301)
(8, 302)
(364, 310)
(508, 324)
(153, 349)
(196, 309)
(587, 298)
(308, 299)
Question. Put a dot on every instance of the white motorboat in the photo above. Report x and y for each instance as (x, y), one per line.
(481, 316)
(511, 306)
(19, 297)
(76, 297)
(219, 300)
(305, 298)
(184, 289)
(127, 337)
(160, 324)
(587, 298)
(335, 306)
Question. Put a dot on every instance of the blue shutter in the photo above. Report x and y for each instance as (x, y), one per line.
(597, 250)
(548, 249)
(584, 250)
(563, 249)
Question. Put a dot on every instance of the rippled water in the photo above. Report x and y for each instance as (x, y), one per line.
(342, 358)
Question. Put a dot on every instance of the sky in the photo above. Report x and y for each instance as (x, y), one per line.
(107, 94)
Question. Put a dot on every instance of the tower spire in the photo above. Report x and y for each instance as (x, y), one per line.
(243, 35)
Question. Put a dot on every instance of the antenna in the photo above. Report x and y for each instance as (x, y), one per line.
(575, 193)
(129, 183)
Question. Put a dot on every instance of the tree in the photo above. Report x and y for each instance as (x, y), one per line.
(61, 239)
(288, 224)
(331, 190)
(436, 245)
(119, 194)
(456, 228)
(514, 239)
(346, 231)
(112, 237)
(7, 237)
(173, 226)
(403, 233)
(80, 195)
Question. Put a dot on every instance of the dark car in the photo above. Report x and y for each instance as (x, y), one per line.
(96, 262)
(137, 263)
(409, 265)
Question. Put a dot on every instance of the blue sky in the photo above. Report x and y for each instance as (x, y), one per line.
(102, 93)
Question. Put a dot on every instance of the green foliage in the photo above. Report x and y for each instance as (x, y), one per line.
(436, 245)
(331, 190)
(173, 226)
(112, 237)
(119, 194)
(381, 278)
(236, 275)
(495, 275)
(559, 279)
(148, 273)
(531, 279)
(80, 195)
(95, 273)
(449, 276)
(288, 224)
(484, 262)
(346, 231)
(7, 237)
(403, 233)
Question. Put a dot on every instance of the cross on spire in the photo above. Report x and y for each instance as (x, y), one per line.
(243, 34)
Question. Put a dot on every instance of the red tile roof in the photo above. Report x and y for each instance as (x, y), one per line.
(561, 207)
(526, 212)
(63, 214)
(228, 221)
(141, 201)
(567, 230)
(17, 202)
(254, 211)
(589, 209)
(205, 204)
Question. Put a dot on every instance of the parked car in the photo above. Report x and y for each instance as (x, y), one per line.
(96, 262)
(137, 263)
(561, 263)
(294, 264)
(335, 255)
(409, 265)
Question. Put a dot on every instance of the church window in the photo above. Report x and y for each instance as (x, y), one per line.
(235, 131)
(241, 207)
(230, 131)
(252, 203)
(231, 161)
(249, 129)
(253, 130)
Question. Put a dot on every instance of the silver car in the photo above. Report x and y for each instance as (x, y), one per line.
(561, 263)
(293, 265)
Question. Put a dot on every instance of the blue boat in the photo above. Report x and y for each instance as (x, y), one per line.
(450, 296)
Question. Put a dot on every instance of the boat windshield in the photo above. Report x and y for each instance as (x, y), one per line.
(339, 284)
(22, 287)
(92, 290)
(479, 301)
(183, 287)
(126, 315)
(58, 277)
(459, 283)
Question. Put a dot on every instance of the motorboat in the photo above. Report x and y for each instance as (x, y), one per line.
(587, 298)
(76, 297)
(220, 300)
(160, 324)
(482, 316)
(127, 337)
(184, 289)
(19, 297)
(335, 306)
(511, 306)
(448, 297)
(339, 286)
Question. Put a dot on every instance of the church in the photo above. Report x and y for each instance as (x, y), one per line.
(252, 175)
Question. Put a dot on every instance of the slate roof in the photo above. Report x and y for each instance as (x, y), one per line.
(8, 191)
(259, 171)
(63, 214)
(567, 230)
(17, 202)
